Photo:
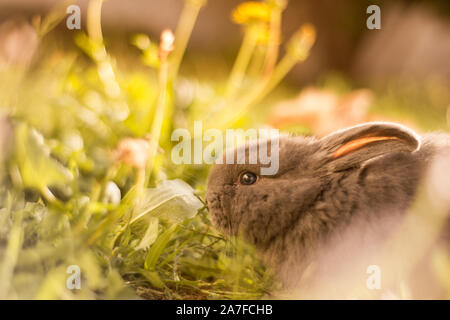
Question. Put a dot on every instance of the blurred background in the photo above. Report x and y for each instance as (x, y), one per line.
(412, 47)
(413, 41)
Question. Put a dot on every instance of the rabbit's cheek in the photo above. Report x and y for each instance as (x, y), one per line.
(219, 203)
(218, 216)
(258, 212)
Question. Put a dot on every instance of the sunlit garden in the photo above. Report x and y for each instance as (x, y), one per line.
(88, 181)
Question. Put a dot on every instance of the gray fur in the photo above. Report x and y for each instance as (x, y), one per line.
(313, 198)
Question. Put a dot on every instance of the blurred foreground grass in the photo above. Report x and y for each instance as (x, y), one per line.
(86, 175)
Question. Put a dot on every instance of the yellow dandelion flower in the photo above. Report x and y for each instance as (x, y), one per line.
(251, 11)
(261, 33)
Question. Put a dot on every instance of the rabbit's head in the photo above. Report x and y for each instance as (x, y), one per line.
(320, 183)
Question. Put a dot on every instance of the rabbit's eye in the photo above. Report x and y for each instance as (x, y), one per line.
(248, 178)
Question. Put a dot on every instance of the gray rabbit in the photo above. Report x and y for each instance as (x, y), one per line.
(338, 196)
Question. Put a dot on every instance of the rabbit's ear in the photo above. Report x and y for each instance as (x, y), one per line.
(351, 147)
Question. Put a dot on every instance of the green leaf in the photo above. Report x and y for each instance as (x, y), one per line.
(91, 270)
(150, 234)
(38, 169)
(54, 286)
(11, 254)
(153, 278)
(173, 200)
(157, 248)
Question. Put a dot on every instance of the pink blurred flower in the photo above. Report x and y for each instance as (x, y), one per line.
(18, 43)
(133, 152)
(322, 110)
